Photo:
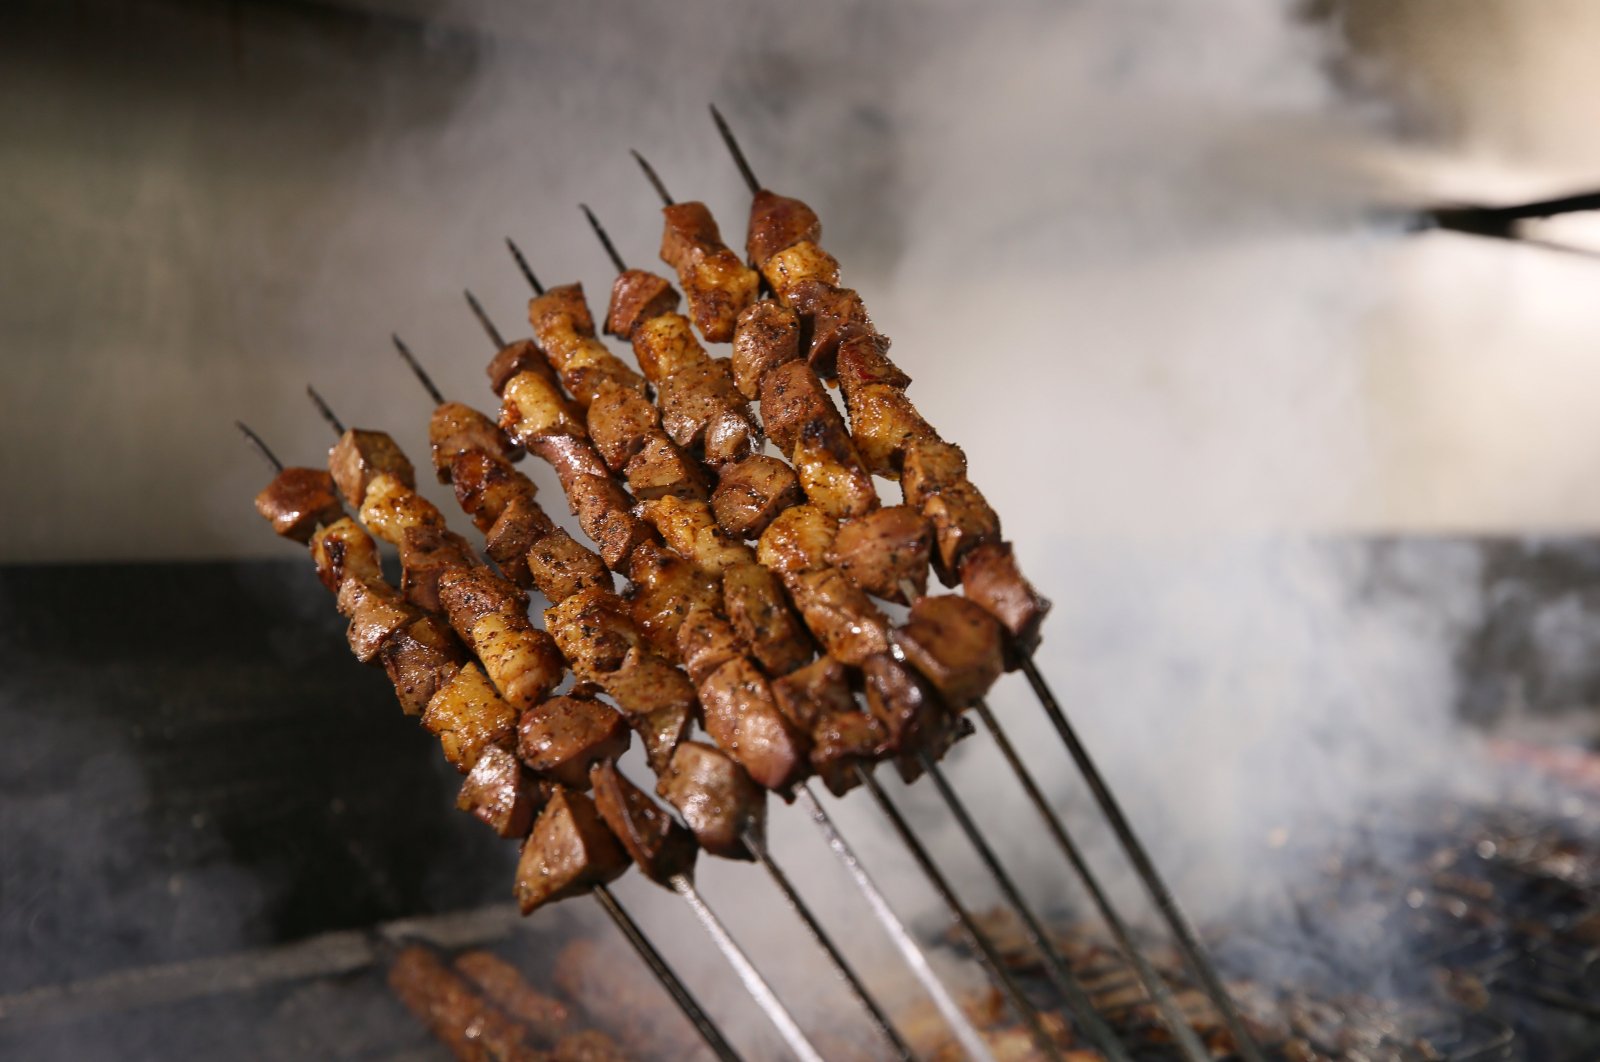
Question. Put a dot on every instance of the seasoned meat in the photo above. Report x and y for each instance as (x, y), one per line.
(361, 455)
(426, 553)
(420, 659)
(569, 852)
(665, 346)
(485, 484)
(532, 407)
(660, 848)
(661, 470)
(522, 524)
(500, 794)
(503, 985)
(990, 576)
(778, 222)
(456, 429)
(836, 315)
(716, 283)
(756, 605)
(691, 532)
(796, 263)
(562, 312)
(565, 736)
(839, 615)
(706, 641)
(647, 684)
(469, 594)
(468, 716)
(800, 539)
(751, 493)
(883, 549)
(343, 549)
(831, 473)
(560, 566)
(768, 335)
(298, 501)
(391, 507)
(955, 644)
(962, 520)
(884, 423)
(666, 588)
(744, 721)
(931, 466)
(563, 328)
(521, 356)
(458, 1017)
(594, 630)
(637, 296)
(375, 611)
(488, 613)
(604, 513)
(792, 397)
(716, 798)
(902, 701)
(620, 419)
(662, 731)
(810, 694)
(730, 436)
(572, 457)
(695, 396)
(863, 359)
(840, 743)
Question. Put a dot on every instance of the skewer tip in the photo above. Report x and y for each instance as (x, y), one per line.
(726, 132)
(653, 177)
(522, 264)
(326, 410)
(417, 370)
(260, 445)
(483, 317)
(605, 238)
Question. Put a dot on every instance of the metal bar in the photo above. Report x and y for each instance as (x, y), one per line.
(260, 445)
(326, 410)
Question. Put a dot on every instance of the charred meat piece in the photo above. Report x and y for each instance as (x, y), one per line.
(691, 532)
(605, 514)
(662, 731)
(929, 467)
(799, 262)
(666, 588)
(500, 794)
(841, 742)
(744, 721)
(706, 641)
(730, 436)
(391, 507)
(490, 615)
(456, 429)
(426, 554)
(468, 716)
(342, 550)
(800, 539)
(361, 455)
(560, 566)
(884, 423)
(955, 643)
(695, 396)
(420, 660)
(962, 520)
(647, 685)
(751, 493)
(810, 694)
(716, 283)
(563, 328)
(620, 419)
(756, 605)
(716, 798)
(376, 611)
(565, 736)
(792, 397)
(884, 549)
(660, 847)
(569, 852)
(637, 296)
(503, 985)
(777, 223)
(532, 407)
(768, 335)
(298, 501)
(665, 346)
(457, 1016)
(831, 473)
(522, 524)
(485, 484)
(990, 576)
(522, 356)
(903, 702)
(661, 470)
(594, 630)
(572, 457)
(839, 615)
(863, 359)
(836, 315)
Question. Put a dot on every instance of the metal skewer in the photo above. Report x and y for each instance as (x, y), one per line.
(1198, 961)
(260, 446)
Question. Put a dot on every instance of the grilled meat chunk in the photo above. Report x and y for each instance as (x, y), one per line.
(594, 630)
(751, 493)
(863, 359)
(792, 396)
(841, 742)
(420, 659)
(490, 615)
(884, 549)
(569, 852)
(456, 429)
(426, 554)
(744, 721)
(620, 419)
(660, 847)
(661, 470)
(836, 315)
(777, 223)
(457, 1016)
(666, 588)
(361, 455)
(665, 346)
(730, 436)
(692, 398)
(956, 645)
(797, 263)
(565, 736)
(604, 512)
(503, 985)
(468, 716)
(572, 458)
(637, 296)
(560, 566)
(990, 576)
(716, 283)
(768, 335)
(343, 549)
(756, 605)
(831, 473)
(485, 484)
(500, 794)
(706, 641)
(691, 532)
(391, 507)
(563, 328)
(647, 685)
(810, 694)
(838, 613)
(903, 702)
(521, 356)
(884, 423)
(376, 612)
(532, 407)
(662, 731)
(716, 798)
(962, 520)
(298, 501)
(799, 539)
(522, 525)
(929, 467)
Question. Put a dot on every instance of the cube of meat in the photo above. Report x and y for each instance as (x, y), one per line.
(697, 395)
(930, 466)
(661, 470)
(605, 514)
(777, 223)
(812, 693)
(660, 847)
(792, 396)
(637, 296)
(836, 315)
(594, 630)
(716, 798)
(468, 716)
(560, 315)
(569, 852)
(691, 532)
(620, 419)
(359, 456)
(706, 641)
(990, 576)
(665, 346)
(524, 663)
(831, 473)
(902, 701)
(565, 736)
(560, 566)
(522, 524)
(955, 644)
(521, 356)
(455, 429)
(647, 685)
(666, 588)
(468, 594)
(572, 457)
(841, 743)
(426, 554)
(503, 985)
(839, 615)
(342, 550)
(662, 731)
(768, 335)
(563, 328)
(485, 484)
(532, 407)
(885, 549)
(730, 436)
(863, 359)
(751, 493)
(799, 262)
(391, 507)
(462, 1020)
(500, 794)
(420, 659)
(962, 520)
(376, 612)
(298, 501)
(758, 608)
(884, 423)
(799, 539)
(716, 283)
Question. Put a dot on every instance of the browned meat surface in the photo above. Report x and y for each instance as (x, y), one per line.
(698, 394)
(560, 566)
(716, 283)
(837, 315)
(884, 423)
(751, 493)
(660, 848)
(863, 359)
(962, 520)
(522, 524)
(485, 484)
(468, 716)
(955, 644)
(376, 611)
(756, 605)
(457, 1016)
(391, 507)
(619, 421)
(990, 576)
(744, 721)
(565, 736)
(931, 466)
(605, 514)
(706, 641)
(360, 455)
(716, 798)
(690, 530)
(665, 346)
(661, 470)
(503, 985)
(840, 743)
(777, 223)
(572, 457)
(730, 436)
(569, 852)
(883, 549)
(456, 429)
(666, 588)
(343, 549)
(839, 614)
(768, 335)
(618, 990)
(522, 356)
(561, 310)
(563, 328)
(594, 630)
(808, 695)
(420, 659)
(903, 702)
(637, 296)
(532, 408)
(799, 262)
(647, 684)
(500, 794)
(831, 473)
(490, 615)
(662, 731)
(792, 396)
(800, 539)
(426, 554)
(298, 501)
